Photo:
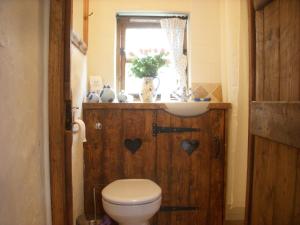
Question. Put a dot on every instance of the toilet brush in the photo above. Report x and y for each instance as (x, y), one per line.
(94, 221)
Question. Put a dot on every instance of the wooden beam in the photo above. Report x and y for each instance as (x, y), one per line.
(252, 94)
(260, 4)
(277, 121)
(59, 98)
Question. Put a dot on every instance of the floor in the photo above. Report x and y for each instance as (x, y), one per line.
(234, 222)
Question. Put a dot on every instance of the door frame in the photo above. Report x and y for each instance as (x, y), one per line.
(252, 69)
(60, 112)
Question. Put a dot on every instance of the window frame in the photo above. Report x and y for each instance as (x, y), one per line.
(124, 22)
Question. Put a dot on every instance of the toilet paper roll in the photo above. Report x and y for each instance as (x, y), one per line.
(81, 126)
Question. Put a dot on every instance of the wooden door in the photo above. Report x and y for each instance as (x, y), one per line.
(106, 156)
(192, 183)
(274, 150)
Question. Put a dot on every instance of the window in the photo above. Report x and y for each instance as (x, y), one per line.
(136, 34)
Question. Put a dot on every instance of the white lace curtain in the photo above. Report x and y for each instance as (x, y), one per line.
(174, 29)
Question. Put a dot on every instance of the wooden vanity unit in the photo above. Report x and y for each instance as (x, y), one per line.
(185, 156)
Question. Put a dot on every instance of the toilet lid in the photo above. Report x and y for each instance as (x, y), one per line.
(131, 192)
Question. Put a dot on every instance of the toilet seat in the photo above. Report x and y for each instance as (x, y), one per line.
(131, 192)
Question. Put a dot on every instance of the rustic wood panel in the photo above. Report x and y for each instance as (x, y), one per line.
(138, 124)
(106, 159)
(271, 51)
(196, 180)
(187, 180)
(139, 105)
(93, 172)
(289, 50)
(273, 178)
(217, 155)
(277, 121)
(182, 166)
(260, 72)
(264, 169)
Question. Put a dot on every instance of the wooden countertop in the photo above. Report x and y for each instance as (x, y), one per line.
(139, 105)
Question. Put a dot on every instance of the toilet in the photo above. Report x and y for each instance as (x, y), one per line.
(131, 201)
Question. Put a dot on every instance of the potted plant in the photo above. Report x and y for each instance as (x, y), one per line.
(146, 67)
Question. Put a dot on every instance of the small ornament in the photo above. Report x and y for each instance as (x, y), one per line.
(93, 97)
(122, 97)
(107, 94)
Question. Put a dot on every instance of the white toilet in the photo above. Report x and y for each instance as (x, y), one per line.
(131, 201)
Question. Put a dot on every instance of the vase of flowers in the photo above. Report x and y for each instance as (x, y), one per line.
(146, 67)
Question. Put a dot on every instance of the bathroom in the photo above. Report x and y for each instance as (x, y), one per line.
(215, 144)
(207, 42)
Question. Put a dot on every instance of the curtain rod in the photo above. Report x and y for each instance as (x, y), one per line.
(168, 16)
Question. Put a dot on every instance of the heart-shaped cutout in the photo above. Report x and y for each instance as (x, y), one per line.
(133, 144)
(189, 145)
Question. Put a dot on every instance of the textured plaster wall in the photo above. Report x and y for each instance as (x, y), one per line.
(24, 178)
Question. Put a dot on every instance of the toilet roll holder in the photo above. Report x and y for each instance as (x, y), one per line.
(75, 126)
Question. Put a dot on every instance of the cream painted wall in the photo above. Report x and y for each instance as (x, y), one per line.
(235, 85)
(78, 17)
(203, 40)
(24, 160)
(79, 87)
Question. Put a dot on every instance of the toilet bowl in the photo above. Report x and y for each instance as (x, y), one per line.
(131, 201)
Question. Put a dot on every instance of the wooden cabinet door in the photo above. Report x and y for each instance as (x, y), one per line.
(192, 184)
(106, 157)
(273, 196)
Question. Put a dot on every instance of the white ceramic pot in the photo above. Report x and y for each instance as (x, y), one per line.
(149, 91)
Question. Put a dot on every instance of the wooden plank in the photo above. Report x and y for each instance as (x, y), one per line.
(260, 73)
(284, 185)
(140, 105)
(278, 121)
(263, 176)
(290, 50)
(93, 157)
(271, 51)
(217, 164)
(112, 146)
(252, 97)
(260, 4)
(59, 92)
(185, 179)
(141, 164)
(275, 176)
